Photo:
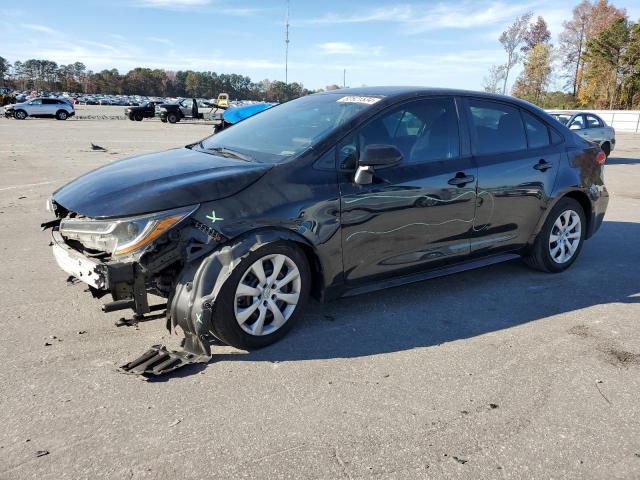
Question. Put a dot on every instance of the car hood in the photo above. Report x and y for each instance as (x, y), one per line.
(155, 182)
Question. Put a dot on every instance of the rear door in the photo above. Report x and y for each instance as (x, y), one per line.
(517, 166)
(596, 131)
(417, 214)
(50, 106)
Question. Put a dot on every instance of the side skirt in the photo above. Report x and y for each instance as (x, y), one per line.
(420, 276)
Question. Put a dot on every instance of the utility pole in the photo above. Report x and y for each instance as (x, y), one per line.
(344, 78)
(286, 48)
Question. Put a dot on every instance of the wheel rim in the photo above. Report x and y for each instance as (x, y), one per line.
(62, 116)
(565, 236)
(20, 115)
(267, 294)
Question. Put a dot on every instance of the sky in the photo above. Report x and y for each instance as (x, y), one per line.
(432, 43)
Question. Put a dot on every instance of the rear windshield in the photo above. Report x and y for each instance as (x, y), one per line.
(283, 131)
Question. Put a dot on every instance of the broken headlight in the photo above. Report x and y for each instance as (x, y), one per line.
(123, 235)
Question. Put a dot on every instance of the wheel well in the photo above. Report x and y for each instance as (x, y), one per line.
(314, 266)
(584, 202)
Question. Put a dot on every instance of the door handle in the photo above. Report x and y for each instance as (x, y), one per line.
(460, 180)
(542, 165)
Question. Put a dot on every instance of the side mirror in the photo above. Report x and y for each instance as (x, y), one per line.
(376, 156)
(575, 126)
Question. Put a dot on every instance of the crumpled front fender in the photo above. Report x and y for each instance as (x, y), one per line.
(191, 305)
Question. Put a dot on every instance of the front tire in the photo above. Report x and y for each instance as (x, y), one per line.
(263, 297)
(138, 117)
(560, 241)
(20, 115)
(172, 118)
(61, 115)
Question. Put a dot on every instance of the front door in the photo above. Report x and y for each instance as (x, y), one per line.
(418, 213)
(518, 158)
(35, 107)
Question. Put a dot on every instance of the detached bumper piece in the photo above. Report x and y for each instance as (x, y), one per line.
(158, 360)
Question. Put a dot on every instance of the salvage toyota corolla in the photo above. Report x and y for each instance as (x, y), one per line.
(332, 194)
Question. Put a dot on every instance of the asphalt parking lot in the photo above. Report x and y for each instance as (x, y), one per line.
(501, 372)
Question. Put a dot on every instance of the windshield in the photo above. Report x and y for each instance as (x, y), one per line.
(288, 129)
(563, 118)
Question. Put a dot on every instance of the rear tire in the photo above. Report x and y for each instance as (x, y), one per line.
(555, 248)
(20, 115)
(228, 322)
(61, 115)
(138, 117)
(606, 148)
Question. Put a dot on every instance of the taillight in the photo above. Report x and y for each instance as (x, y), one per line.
(601, 157)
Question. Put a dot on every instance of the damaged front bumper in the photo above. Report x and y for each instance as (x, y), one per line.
(88, 270)
(124, 280)
(127, 283)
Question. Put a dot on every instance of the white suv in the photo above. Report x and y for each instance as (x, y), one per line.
(40, 107)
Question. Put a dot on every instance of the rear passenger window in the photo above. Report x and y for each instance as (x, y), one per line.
(555, 137)
(497, 127)
(593, 121)
(537, 132)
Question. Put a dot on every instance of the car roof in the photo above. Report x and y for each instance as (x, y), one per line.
(571, 112)
(397, 91)
(391, 92)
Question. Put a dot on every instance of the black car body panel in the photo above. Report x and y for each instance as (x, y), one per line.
(147, 110)
(155, 182)
(414, 220)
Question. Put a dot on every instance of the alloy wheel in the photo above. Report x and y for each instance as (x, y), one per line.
(267, 294)
(565, 236)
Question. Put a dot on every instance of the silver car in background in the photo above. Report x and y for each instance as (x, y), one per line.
(589, 126)
(40, 107)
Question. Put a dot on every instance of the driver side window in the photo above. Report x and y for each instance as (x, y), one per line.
(422, 130)
(577, 123)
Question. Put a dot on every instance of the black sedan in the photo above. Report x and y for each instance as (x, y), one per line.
(138, 113)
(332, 194)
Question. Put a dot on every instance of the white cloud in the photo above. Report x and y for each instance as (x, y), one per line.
(40, 28)
(164, 41)
(420, 18)
(241, 12)
(172, 4)
(345, 48)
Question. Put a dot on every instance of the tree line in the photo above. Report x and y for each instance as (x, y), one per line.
(46, 75)
(597, 58)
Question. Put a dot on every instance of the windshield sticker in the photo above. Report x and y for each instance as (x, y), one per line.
(356, 99)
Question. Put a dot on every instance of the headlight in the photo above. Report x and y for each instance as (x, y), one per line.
(124, 235)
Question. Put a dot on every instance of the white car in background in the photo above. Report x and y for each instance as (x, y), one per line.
(40, 107)
(589, 126)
